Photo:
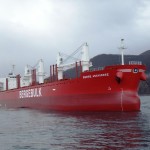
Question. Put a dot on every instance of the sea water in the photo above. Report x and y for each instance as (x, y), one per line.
(25, 129)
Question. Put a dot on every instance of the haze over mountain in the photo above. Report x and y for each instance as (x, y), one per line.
(103, 60)
(112, 59)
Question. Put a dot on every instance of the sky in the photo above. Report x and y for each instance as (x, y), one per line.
(38, 29)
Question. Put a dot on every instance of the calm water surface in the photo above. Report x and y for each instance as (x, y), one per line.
(25, 129)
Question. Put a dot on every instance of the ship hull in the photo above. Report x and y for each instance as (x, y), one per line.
(103, 90)
(97, 102)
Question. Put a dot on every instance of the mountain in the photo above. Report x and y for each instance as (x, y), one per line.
(146, 53)
(109, 59)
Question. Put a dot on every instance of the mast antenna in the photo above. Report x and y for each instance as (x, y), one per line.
(122, 48)
(13, 69)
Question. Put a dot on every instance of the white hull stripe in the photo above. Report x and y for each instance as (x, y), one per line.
(125, 70)
(130, 70)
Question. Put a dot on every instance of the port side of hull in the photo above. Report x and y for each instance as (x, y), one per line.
(120, 101)
(92, 91)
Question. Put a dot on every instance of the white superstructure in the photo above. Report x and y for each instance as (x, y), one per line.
(29, 78)
(25, 80)
(85, 58)
(2, 84)
(40, 72)
(84, 61)
(60, 66)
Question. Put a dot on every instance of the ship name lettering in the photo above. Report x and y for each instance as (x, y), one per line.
(96, 75)
(100, 75)
(29, 93)
(86, 77)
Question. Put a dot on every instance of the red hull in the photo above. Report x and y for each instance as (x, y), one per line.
(112, 89)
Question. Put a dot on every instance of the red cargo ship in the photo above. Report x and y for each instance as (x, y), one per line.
(113, 88)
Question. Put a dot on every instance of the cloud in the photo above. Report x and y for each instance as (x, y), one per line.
(34, 29)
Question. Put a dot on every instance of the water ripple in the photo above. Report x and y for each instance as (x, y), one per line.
(35, 130)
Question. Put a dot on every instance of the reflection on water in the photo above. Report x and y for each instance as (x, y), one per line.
(28, 129)
(105, 130)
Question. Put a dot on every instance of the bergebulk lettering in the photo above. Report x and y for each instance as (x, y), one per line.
(30, 93)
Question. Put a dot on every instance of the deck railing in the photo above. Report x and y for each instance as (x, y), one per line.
(135, 62)
(96, 69)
